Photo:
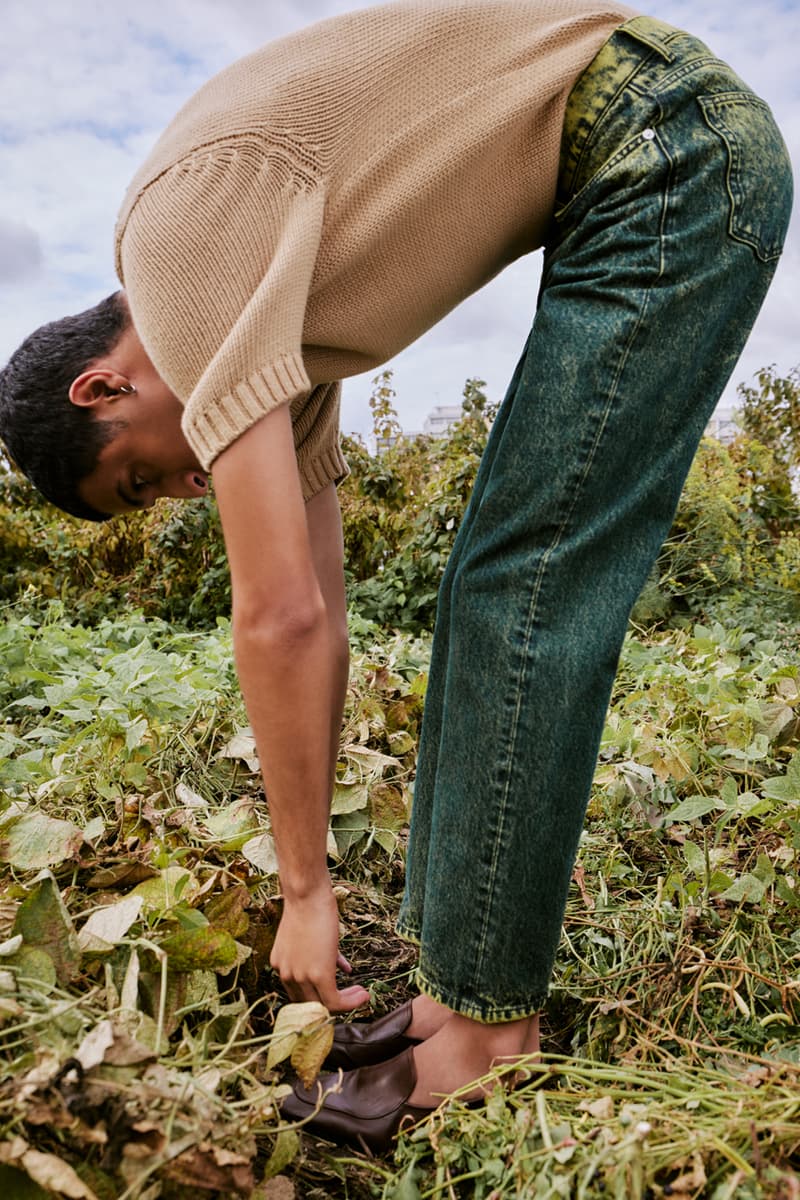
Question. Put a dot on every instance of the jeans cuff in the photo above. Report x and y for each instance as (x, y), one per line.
(408, 932)
(484, 1010)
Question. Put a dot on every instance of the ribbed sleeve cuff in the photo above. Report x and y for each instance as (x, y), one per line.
(328, 466)
(212, 423)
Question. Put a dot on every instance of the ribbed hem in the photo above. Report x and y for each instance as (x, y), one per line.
(328, 466)
(211, 423)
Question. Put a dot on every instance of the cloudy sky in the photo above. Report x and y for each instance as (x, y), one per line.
(86, 88)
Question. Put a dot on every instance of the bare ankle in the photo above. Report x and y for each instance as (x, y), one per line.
(427, 1017)
(462, 1052)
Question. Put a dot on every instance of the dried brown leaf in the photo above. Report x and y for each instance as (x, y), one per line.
(108, 925)
(212, 1168)
(290, 1022)
(388, 806)
(126, 873)
(688, 1184)
(126, 1051)
(226, 910)
(602, 1109)
(279, 1188)
(579, 877)
(310, 1053)
(47, 1170)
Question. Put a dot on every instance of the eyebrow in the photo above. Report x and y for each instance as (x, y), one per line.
(123, 495)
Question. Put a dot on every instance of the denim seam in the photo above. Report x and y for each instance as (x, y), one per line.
(645, 87)
(593, 181)
(539, 582)
(569, 182)
(712, 107)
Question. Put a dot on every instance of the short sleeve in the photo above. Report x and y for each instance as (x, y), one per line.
(216, 256)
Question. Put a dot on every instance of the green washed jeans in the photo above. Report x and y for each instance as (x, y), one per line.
(674, 197)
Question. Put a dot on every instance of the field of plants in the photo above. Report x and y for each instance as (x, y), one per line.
(144, 1040)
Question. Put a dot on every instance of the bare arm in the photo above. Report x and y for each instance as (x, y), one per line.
(324, 520)
(290, 645)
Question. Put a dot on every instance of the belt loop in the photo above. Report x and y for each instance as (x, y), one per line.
(652, 33)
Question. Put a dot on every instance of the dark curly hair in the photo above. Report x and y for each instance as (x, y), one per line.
(52, 441)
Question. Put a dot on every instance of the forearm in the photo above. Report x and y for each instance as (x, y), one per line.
(293, 678)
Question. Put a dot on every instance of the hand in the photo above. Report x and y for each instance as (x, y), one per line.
(306, 953)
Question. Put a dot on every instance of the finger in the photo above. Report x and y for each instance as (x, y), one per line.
(346, 999)
(343, 964)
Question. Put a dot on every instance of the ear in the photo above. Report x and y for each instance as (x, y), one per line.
(99, 386)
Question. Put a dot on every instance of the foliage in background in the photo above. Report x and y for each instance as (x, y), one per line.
(770, 413)
(401, 509)
(735, 534)
(168, 562)
(728, 546)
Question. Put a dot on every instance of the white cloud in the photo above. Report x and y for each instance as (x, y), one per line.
(20, 251)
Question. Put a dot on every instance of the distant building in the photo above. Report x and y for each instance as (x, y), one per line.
(438, 423)
(441, 419)
(722, 425)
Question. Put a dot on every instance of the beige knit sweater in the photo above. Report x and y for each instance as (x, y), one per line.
(319, 204)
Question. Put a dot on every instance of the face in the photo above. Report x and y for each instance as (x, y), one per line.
(147, 458)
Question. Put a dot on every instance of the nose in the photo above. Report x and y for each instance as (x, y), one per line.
(185, 485)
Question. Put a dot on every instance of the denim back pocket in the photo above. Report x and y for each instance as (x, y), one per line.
(759, 176)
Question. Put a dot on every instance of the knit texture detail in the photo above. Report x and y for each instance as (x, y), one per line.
(209, 428)
(322, 202)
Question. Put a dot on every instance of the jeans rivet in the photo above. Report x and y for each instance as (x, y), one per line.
(649, 134)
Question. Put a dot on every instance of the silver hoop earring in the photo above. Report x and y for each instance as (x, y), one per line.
(127, 389)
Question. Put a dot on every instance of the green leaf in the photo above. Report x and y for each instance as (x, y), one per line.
(163, 891)
(405, 1188)
(695, 858)
(692, 808)
(200, 949)
(45, 924)
(349, 830)
(789, 895)
(233, 825)
(34, 841)
(349, 797)
(30, 962)
(748, 888)
(729, 792)
(135, 733)
(764, 870)
(17, 1184)
(189, 918)
(785, 788)
(386, 840)
(284, 1152)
